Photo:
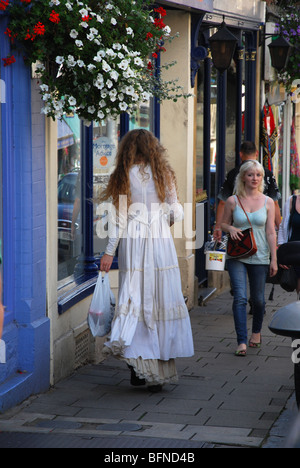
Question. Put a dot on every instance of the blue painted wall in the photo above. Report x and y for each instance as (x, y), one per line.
(27, 328)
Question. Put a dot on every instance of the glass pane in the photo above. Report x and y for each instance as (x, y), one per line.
(143, 118)
(231, 117)
(199, 136)
(69, 195)
(106, 140)
(213, 143)
(2, 101)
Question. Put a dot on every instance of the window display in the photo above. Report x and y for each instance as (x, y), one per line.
(69, 194)
(106, 137)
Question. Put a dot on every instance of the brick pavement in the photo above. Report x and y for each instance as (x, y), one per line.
(220, 400)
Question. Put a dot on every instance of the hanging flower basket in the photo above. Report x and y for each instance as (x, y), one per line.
(96, 58)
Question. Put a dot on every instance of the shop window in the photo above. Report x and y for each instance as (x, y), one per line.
(231, 117)
(2, 101)
(106, 138)
(199, 136)
(143, 118)
(69, 194)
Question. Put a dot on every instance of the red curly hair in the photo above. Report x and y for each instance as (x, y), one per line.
(139, 147)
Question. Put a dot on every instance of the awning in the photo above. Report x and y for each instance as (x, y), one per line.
(65, 136)
(204, 5)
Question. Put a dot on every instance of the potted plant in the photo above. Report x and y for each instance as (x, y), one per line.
(96, 58)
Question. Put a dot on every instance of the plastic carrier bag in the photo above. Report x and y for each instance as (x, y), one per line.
(102, 308)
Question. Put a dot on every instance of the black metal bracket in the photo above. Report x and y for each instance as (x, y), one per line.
(198, 53)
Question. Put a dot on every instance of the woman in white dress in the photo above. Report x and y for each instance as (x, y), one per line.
(151, 327)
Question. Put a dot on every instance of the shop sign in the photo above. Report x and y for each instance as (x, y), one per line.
(206, 5)
(250, 9)
(104, 154)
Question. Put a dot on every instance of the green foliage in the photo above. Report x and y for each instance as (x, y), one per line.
(94, 57)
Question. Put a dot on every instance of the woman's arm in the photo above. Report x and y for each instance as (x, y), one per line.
(283, 234)
(271, 236)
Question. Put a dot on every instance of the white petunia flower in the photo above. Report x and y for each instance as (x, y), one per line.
(44, 87)
(130, 32)
(72, 101)
(105, 66)
(74, 34)
(124, 64)
(59, 60)
(71, 62)
(123, 106)
(139, 62)
(114, 75)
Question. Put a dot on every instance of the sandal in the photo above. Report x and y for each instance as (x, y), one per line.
(241, 353)
(255, 345)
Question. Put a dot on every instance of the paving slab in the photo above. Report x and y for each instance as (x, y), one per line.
(220, 400)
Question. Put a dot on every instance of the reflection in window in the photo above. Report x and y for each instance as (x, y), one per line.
(69, 190)
(106, 137)
(106, 140)
(143, 118)
(231, 117)
(200, 195)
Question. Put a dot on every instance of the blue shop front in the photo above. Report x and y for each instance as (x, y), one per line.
(24, 365)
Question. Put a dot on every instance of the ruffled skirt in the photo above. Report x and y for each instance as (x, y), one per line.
(151, 327)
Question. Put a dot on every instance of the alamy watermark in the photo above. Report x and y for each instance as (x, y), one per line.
(296, 353)
(2, 352)
(137, 221)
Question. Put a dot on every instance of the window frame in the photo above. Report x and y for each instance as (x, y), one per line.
(83, 284)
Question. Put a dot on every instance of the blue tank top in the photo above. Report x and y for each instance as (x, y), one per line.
(258, 220)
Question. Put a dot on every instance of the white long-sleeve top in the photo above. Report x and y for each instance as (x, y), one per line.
(146, 207)
(284, 231)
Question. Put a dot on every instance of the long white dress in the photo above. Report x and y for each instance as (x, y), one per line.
(152, 326)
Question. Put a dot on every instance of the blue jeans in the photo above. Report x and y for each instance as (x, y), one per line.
(257, 275)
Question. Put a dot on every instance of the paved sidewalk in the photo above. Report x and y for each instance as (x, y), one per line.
(220, 400)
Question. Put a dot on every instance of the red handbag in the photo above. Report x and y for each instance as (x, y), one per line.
(245, 247)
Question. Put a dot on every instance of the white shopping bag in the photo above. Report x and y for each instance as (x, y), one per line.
(102, 308)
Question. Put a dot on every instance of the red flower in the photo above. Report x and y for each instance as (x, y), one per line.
(149, 36)
(54, 17)
(28, 35)
(161, 11)
(86, 18)
(154, 55)
(26, 1)
(3, 4)
(9, 60)
(158, 23)
(9, 33)
(39, 29)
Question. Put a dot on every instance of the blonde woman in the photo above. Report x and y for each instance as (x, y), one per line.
(152, 326)
(260, 209)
